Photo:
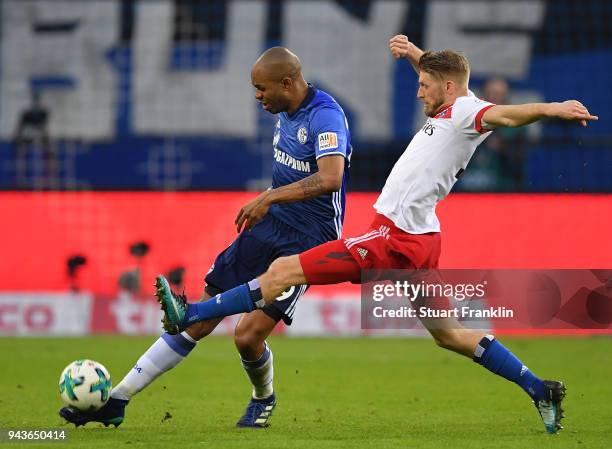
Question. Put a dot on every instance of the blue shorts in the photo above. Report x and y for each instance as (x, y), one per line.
(252, 253)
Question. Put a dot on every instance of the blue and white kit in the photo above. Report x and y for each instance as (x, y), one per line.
(318, 128)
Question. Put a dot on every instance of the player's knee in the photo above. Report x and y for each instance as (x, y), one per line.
(276, 275)
(249, 341)
(448, 339)
(200, 330)
(245, 340)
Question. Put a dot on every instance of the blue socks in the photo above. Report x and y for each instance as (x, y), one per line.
(491, 354)
(244, 298)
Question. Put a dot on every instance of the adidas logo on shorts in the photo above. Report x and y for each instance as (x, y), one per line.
(362, 252)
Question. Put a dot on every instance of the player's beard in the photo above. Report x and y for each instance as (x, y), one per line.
(273, 106)
(432, 108)
(428, 110)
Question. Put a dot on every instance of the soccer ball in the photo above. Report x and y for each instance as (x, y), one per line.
(85, 385)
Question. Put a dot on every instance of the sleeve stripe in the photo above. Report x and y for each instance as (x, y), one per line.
(477, 122)
(330, 153)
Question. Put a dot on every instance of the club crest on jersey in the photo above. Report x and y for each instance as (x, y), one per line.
(446, 113)
(302, 135)
(327, 141)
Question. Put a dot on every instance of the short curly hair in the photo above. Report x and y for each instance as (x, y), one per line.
(446, 63)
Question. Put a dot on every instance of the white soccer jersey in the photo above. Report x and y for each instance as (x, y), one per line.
(431, 164)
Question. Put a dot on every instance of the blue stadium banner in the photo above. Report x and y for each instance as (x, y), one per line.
(156, 94)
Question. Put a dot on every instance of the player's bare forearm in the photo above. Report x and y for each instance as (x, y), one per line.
(401, 47)
(523, 114)
(305, 189)
(414, 56)
(327, 180)
(515, 115)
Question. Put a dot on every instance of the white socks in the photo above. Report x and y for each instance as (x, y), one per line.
(169, 350)
(162, 356)
(261, 374)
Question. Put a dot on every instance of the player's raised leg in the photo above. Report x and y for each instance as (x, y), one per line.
(329, 263)
(179, 314)
(487, 351)
(163, 355)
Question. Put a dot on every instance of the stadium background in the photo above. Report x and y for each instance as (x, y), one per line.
(130, 138)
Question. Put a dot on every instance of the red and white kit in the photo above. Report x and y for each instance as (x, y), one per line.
(405, 233)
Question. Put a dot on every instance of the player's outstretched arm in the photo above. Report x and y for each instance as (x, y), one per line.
(401, 47)
(328, 179)
(523, 114)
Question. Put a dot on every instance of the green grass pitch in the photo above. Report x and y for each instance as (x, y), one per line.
(332, 393)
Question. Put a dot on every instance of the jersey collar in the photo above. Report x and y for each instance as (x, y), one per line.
(444, 111)
(309, 96)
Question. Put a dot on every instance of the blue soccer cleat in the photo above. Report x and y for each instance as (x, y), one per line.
(112, 412)
(258, 413)
(550, 408)
(173, 305)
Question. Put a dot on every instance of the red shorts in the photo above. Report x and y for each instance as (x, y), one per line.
(384, 246)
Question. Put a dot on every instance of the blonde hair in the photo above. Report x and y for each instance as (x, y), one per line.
(446, 63)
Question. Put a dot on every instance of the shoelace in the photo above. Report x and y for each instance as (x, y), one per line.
(254, 409)
(182, 298)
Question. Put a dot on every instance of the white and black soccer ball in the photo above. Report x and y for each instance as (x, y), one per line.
(85, 385)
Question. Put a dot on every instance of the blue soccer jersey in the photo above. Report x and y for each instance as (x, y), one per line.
(317, 129)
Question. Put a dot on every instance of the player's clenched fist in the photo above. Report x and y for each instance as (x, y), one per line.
(399, 46)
